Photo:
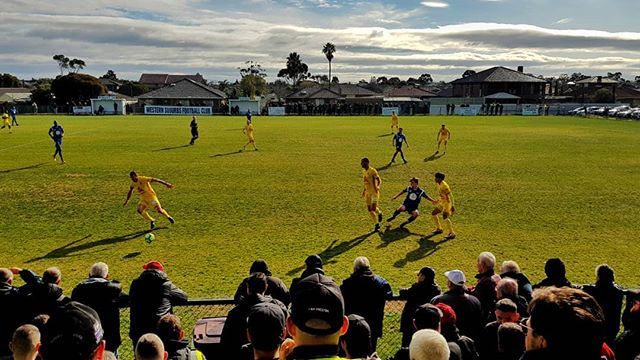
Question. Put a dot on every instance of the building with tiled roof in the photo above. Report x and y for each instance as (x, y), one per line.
(410, 92)
(155, 81)
(185, 92)
(500, 79)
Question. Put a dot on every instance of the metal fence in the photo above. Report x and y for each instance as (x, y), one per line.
(197, 309)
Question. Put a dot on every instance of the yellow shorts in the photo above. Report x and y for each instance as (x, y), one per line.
(251, 139)
(151, 202)
(444, 206)
(371, 199)
(442, 139)
(6, 122)
(394, 124)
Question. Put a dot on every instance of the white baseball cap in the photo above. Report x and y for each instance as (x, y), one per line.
(456, 277)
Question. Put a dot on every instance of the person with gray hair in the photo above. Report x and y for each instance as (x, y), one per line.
(105, 297)
(9, 305)
(150, 347)
(25, 343)
(508, 289)
(428, 344)
(511, 269)
(485, 289)
(365, 294)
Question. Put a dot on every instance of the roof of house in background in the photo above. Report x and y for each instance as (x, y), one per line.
(408, 91)
(315, 93)
(597, 80)
(352, 90)
(185, 89)
(498, 74)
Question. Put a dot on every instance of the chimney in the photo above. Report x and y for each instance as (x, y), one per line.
(599, 79)
(520, 69)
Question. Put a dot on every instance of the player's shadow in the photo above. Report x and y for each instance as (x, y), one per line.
(76, 246)
(393, 235)
(227, 154)
(173, 147)
(132, 255)
(334, 250)
(426, 248)
(234, 129)
(385, 135)
(21, 168)
(433, 157)
(386, 167)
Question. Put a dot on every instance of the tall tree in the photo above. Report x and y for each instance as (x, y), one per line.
(76, 65)
(295, 71)
(253, 79)
(111, 75)
(425, 79)
(328, 49)
(74, 88)
(8, 80)
(63, 62)
(615, 76)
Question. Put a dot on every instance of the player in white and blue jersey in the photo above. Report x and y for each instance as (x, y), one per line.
(411, 202)
(399, 139)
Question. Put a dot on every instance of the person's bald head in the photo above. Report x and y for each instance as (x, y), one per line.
(6, 276)
(150, 347)
(25, 343)
(52, 275)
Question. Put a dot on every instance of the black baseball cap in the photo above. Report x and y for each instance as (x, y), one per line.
(317, 297)
(313, 262)
(73, 333)
(266, 323)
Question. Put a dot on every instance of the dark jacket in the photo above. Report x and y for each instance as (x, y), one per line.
(468, 311)
(545, 354)
(11, 316)
(610, 297)
(234, 332)
(275, 288)
(627, 345)
(418, 294)
(489, 341)
(525, 289)
(467, 346)
(365, 294)
(39, 297)
(557, 282)
(105, 297)
(179, 350)
(152, 296)
(485, 291)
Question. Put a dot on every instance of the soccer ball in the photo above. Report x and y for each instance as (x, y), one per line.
(149, 238)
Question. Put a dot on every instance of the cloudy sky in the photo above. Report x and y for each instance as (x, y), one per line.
(392, 38)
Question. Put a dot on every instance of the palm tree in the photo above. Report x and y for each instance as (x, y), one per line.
(328, 51)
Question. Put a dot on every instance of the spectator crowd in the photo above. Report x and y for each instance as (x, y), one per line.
(500, 315)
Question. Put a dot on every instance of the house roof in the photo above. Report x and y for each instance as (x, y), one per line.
(5, 90)
(352, 90)
(502, 96)
(627, 92)
(167, 78)
(408, 91)
(109, 82)
(185, 89)
(448, 92)
(597, 80)
(498, 74)
(315, 93)
(15, 97)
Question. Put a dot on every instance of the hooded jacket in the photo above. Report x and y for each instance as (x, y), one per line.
(365, 294)
(152, 296)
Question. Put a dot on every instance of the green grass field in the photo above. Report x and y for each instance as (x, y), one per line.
(525, 188)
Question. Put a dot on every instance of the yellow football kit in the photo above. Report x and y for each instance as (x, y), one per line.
(5, 120)
(148, 196)
(443, 135)
(394, 120)
(371, 196)
(445, 202)
(249, 131)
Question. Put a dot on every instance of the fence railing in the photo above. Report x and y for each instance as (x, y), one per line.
(193, 310)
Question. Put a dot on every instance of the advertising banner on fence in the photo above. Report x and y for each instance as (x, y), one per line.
(389, 110)
(530, 110)
(276, 111)
(471, 110)
(177, 110)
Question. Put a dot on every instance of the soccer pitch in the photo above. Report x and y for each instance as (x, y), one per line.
(525, 189)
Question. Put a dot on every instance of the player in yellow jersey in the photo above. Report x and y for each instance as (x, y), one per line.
(248, 130)
(443, 136)
(5, 121)
(394, 122)
(371, 191)
(148, 198)
(444, 205)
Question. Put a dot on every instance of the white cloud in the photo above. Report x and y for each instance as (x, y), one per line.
(564, 21)
(435, 4)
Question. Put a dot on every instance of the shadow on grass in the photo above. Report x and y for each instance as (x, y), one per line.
(433, 157)
(385, 167)
(334, 250)
(132, 255)
(393, 235)
(22, 168)
(173, 147)
(73, 247)
(235, 129)
(385, 135)
(426, 248)
(227, 154)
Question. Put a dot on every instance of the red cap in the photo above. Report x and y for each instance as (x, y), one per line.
(448, 314)
(153, 265)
